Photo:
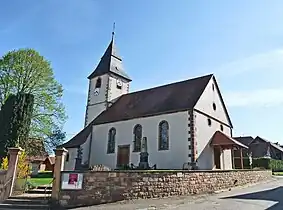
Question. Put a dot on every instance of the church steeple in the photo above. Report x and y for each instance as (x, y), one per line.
(110, 62)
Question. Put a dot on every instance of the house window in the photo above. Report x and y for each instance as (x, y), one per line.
(209, 122)
(137, 138)
(214, 106)
(163, 136)
(111, 141)
(221, 127)
(98, 83)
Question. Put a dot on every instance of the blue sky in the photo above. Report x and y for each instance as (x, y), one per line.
(161, 41)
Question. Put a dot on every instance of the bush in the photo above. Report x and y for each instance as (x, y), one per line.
(23, 166)
(4, 164)
(267, 163)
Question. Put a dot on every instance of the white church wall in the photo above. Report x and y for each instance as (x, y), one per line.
(174, 158)
(70, 164)
(115, 92)
(96, 103)
(107, 93)
(85, 150)
(204, 132)
(205, 103)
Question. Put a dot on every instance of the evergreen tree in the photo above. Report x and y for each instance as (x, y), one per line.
(15, 120)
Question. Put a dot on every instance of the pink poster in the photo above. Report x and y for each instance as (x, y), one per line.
(73, 178)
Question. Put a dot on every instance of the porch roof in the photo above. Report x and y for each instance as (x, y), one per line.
(221, 139)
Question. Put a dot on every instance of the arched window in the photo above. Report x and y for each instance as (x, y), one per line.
(111, 141)
(98, 83)
(163, 140)
(137, 138)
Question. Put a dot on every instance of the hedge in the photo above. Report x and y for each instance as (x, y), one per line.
(268, 163)
(45, 174)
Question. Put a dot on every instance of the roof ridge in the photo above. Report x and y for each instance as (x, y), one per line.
(173, 83)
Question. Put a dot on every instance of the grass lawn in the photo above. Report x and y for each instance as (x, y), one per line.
(278, 173)
(40, 181)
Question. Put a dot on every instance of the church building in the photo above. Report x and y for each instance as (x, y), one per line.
(186, 123)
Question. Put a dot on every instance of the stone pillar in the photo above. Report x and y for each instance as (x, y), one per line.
(12, 166)
(60, 155)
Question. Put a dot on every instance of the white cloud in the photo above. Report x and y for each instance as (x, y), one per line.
(255, 98)
(255, 80)
(271, 61)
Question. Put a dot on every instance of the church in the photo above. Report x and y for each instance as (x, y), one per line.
(186, 123)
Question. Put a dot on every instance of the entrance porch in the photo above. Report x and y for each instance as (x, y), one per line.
(223, 148)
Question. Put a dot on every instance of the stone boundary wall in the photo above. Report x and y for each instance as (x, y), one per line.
(4, 186)
(110, 186)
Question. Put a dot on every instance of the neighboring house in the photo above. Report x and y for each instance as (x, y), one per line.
(185, 122)
(260, 147)
(41, 163)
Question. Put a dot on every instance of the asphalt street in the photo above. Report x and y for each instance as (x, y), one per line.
(263, 196)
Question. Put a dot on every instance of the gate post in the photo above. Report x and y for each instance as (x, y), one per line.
(60, 154)
(12, 166)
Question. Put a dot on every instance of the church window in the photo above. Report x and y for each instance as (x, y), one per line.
(209, 122)
(163, 136)
(98, 83)
(137, 138)
(213, 87)
(221, 127)
(214, 106)
(111, 141)
(67, 157)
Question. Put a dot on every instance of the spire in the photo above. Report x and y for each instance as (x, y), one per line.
(110, 62)
(113, 32)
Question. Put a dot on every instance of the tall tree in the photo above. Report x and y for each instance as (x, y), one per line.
(26, 71)
(15, 120)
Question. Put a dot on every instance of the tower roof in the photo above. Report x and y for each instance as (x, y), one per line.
(110, 62)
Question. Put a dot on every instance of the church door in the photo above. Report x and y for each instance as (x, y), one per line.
(123, 155)
(217, 154)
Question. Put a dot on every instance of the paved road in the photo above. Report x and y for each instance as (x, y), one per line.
(264, 196)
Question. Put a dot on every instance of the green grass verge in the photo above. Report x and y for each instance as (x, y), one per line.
(278, 173)
(40, 181)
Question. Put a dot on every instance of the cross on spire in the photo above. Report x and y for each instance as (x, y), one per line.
(113, 31)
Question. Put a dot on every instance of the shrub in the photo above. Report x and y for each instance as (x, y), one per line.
(23, 168)
(43, 174)
(4, 164)
(268, 163)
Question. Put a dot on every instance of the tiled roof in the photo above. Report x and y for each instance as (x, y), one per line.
(179, 96)
(221, 139)
(246, 140)
(164, 99)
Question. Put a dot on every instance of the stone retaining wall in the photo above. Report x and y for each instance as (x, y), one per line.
(106, 186)
(4, 186)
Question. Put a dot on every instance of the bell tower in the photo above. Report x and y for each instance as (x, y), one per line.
(106, 83)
